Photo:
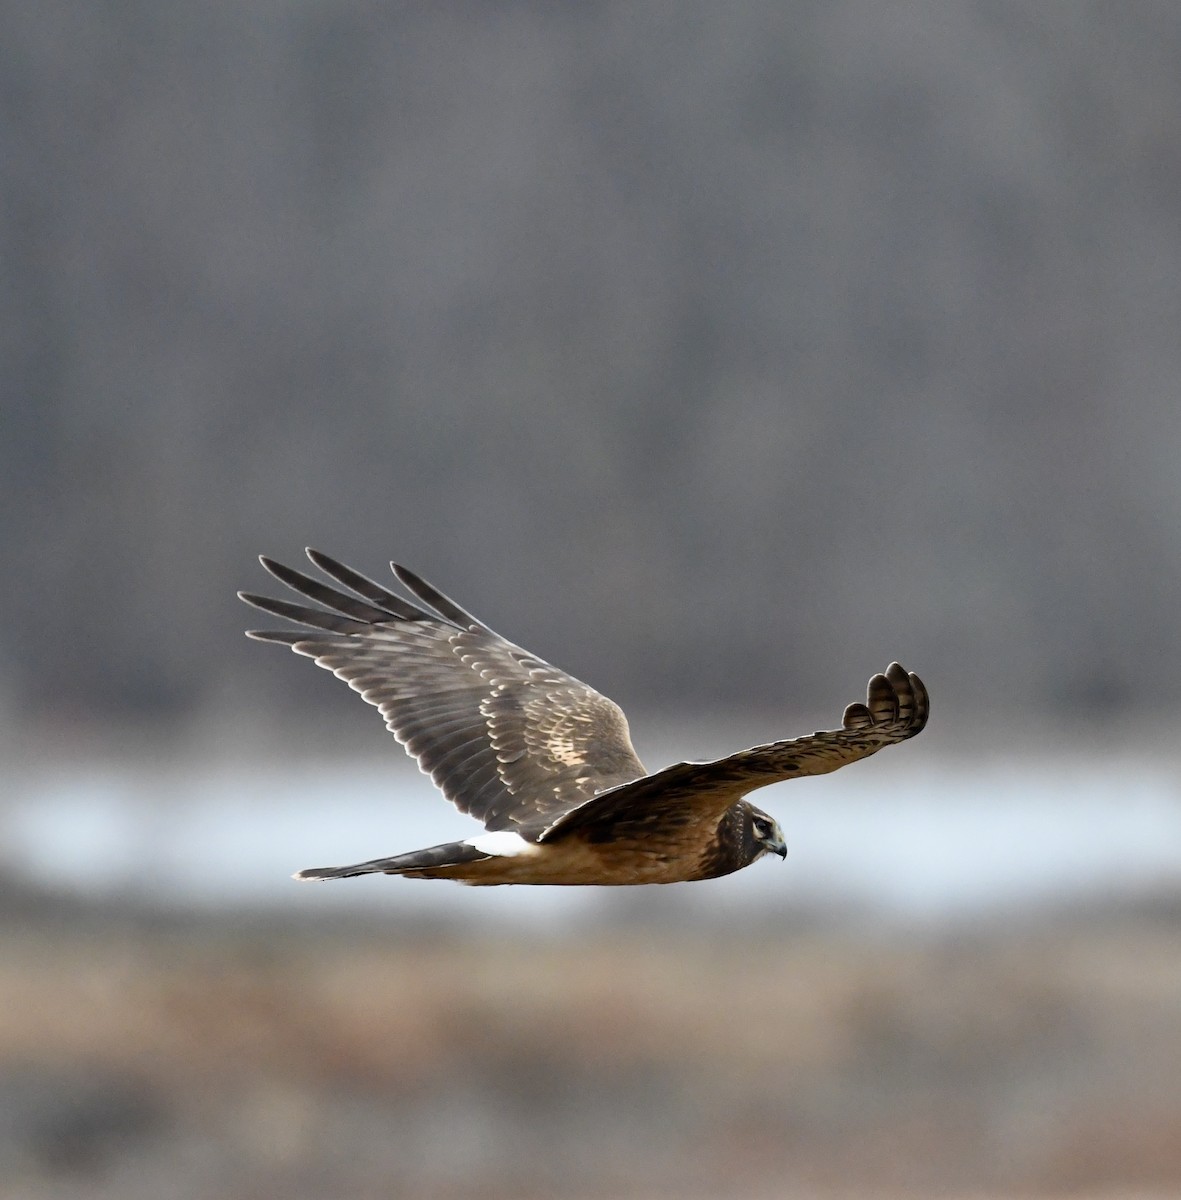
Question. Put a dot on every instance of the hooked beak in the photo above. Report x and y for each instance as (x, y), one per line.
(776, 846)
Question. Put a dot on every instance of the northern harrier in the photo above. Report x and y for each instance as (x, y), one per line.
(544, 761)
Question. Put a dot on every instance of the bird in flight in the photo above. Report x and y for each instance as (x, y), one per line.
(542, 760)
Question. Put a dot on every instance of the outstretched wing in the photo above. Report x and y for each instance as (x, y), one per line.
(895, 709)
(508, 738)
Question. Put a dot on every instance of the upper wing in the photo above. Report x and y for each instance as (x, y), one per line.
(507, 737)
(895, 709)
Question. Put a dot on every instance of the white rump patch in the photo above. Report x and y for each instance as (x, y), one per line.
(503, 844)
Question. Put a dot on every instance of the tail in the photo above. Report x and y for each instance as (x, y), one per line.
(431, 863)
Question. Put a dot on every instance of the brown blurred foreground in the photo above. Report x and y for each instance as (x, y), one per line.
(150, 1056)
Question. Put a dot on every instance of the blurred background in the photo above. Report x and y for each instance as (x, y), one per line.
(718, 353)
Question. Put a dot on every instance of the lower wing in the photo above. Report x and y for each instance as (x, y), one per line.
(895, 708)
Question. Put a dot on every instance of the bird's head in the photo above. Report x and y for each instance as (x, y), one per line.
(763, 833)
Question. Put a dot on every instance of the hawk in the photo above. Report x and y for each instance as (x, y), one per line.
(542, 760)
